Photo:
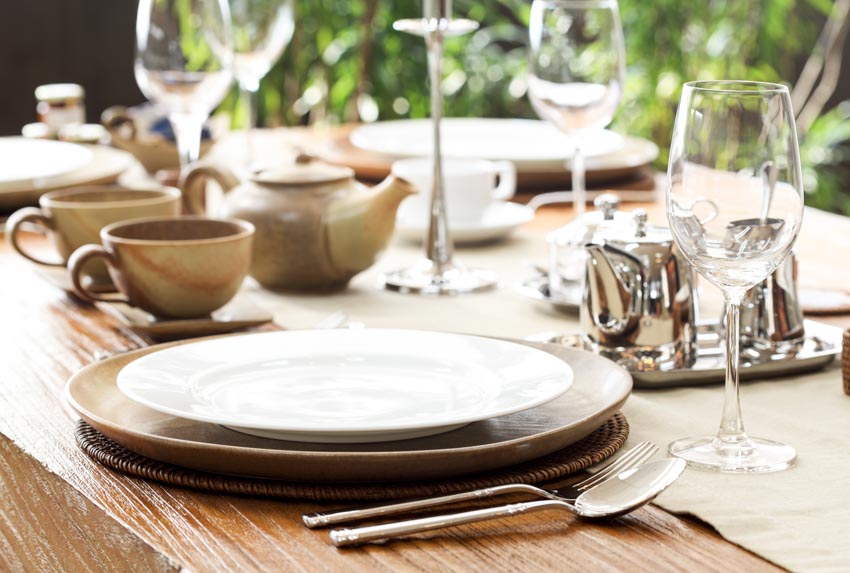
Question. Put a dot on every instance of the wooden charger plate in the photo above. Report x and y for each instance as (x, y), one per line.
(599, 389)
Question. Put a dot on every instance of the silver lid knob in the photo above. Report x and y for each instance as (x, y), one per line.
(640, 218)
(608, 204)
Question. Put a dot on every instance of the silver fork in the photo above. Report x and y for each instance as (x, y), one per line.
(633, 458)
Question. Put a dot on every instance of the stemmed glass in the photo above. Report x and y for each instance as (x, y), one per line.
(183, 63)
(575, 82)
(261, 31)
(735, 206)
(439, 273)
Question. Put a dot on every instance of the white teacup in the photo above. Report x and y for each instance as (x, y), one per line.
(470, 187)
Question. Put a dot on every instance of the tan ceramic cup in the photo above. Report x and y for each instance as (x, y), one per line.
(172, 267)
(74, 217)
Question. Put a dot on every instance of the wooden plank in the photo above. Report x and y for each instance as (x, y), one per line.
(47, 525)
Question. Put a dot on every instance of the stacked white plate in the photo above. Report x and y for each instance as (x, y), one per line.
(31, 167)
(531, 145)
(345, 386)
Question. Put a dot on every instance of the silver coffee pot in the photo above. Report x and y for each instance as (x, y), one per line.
(771, 316)
(639, 304)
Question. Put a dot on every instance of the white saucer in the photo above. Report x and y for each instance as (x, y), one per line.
(498, 221)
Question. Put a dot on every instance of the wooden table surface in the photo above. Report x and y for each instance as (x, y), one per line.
(60, 511)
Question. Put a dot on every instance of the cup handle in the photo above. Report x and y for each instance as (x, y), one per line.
(194, 190)
(75, 266)
(507, 180)
(31, 215)
(116, 116)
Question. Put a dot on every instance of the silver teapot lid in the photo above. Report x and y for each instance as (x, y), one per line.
(638, 230)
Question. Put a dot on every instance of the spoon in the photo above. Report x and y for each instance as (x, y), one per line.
(626, 492)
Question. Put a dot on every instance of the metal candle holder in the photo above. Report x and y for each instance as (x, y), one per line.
(438, 273)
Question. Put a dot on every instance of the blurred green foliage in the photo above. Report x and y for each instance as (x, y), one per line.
(346, 63)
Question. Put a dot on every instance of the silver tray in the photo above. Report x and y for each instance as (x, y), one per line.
(537, 288)
(820, 346)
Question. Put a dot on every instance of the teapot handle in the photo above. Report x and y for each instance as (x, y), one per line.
(193, 186)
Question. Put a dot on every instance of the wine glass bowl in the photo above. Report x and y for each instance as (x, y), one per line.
(261, 31)
(576, 62)
(183, 63)
(576, 71)
(735, 208)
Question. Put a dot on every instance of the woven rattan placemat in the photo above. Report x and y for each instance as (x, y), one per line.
(599, 445)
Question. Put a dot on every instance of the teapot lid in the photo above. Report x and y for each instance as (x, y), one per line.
(304, 171)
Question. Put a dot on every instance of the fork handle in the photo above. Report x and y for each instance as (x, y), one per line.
(313, 520)
(345, 537)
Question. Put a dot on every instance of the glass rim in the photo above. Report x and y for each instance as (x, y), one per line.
(734, 87)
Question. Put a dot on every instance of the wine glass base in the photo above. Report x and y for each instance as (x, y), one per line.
(761, 456)
(426, 277)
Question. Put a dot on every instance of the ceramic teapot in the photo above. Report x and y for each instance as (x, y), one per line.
(639, 303)
(316, 226)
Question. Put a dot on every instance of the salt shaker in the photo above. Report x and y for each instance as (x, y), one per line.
(60, 105)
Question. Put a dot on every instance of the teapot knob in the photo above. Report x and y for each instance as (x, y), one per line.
(640, 218)
(608, 203)
(303, 158)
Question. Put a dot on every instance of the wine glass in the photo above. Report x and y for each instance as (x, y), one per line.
(735, 206)
(261, 31)
(575, 82)
(183, 63)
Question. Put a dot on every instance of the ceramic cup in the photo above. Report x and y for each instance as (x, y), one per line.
(470, 187)
(171, 267)
(74, 217)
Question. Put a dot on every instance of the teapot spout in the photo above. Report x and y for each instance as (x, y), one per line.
(388, 195)
(361, 227)
(608, 298)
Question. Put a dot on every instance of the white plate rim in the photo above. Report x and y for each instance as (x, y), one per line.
(565, 384)
(84, 157)
(362, 138)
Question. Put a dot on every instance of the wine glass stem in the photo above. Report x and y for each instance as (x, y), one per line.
(187, 130)
(579, 190)
(731, 436)
(248, 95)
(439, 246)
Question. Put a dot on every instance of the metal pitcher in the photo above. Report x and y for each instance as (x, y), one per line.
(771, 317)
(639, 304)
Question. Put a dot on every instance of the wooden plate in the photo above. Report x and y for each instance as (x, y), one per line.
(824, 301)
(599, 389)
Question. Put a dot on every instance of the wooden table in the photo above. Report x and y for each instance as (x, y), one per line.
(59, 511)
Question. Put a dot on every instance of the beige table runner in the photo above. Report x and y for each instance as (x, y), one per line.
(798, 519)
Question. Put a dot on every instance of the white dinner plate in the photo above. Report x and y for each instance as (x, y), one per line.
(497, 222)
(105, 165)
(526, 142)
(24, 161)
(345, 386)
